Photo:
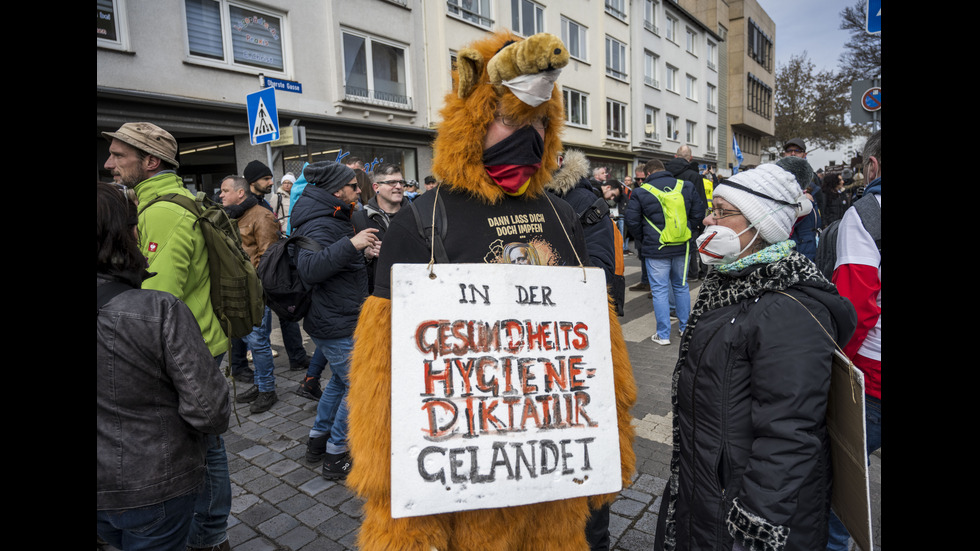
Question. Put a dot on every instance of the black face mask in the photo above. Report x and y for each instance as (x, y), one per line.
(512, 161)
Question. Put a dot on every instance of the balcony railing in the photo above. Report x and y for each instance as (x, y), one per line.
(375, 97)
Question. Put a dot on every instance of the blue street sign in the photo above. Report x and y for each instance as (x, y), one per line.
(871, 100)
(263, 119)
(874, 16)
(284, 85)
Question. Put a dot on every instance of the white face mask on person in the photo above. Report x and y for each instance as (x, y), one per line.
(720, 245)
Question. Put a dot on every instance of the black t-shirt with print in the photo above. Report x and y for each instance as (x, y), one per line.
(516, 231)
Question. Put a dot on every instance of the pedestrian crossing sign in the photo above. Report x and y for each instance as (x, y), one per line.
(263, 119)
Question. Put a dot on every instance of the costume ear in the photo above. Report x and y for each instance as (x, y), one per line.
(469, 67)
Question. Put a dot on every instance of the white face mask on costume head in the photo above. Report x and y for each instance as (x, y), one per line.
(719, 245)
(533, 89)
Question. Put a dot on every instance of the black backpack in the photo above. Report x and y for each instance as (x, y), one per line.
(285, 292)
(870, 214)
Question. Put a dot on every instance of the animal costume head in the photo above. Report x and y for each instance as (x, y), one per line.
(501, 75)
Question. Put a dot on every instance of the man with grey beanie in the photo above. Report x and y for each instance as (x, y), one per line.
(339, 279)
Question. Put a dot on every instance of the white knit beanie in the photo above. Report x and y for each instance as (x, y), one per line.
(774, 184)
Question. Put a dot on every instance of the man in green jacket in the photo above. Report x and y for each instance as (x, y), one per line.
(142, 156)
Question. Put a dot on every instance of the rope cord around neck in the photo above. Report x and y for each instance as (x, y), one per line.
(572, 245)
(432, 241)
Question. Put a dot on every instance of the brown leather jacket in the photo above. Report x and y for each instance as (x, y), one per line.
(259, 229)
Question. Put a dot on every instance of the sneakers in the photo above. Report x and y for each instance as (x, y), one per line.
(641, 286)
(264, 401)
(248, 396)
(310, 388)
(336, 465)
(316, 449)
(662, 342)
(300, 365)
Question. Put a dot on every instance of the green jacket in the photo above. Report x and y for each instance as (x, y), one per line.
(176, 251)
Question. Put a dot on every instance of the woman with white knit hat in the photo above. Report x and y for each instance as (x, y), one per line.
(750, 467)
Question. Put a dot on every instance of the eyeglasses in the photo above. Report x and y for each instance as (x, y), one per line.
(538, 124)
(719, 212)
(394, 183)
(352, 186)
(793, 151)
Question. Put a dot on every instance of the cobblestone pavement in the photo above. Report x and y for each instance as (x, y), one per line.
(280, 502)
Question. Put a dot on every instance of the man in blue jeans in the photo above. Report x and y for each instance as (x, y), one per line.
(339, 278)
(666, 263)
(259, 229)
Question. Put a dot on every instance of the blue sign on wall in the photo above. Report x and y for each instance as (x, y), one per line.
(284, 85)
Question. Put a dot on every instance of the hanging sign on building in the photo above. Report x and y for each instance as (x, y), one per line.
(502, 387)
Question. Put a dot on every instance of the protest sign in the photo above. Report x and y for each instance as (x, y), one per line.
(502, 387)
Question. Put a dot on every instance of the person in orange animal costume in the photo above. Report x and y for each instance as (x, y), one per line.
(496, 149)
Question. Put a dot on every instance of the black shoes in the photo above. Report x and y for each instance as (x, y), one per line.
(310, 388)
(300, 365)
(316, 449)
(248, 396)
(641, 286)
(264, 401)
(336, 465)
(245, 375)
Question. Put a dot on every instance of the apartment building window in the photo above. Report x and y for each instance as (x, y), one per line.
(712, 56)
(616, 119)
(670, 28)
(759, 97)
(474, 11)
(375, 71)
(672, 130)
(691, 136)
(759, 46)
(616, 8)
(712, 98)
(650, 61)
(650, 122)
(710, 138)
(671, 74)
(573, 35)
(527, 17)
(110, 23)
(576, 107)
(616, 58)
(691, 91)
(650, 20)
(220, 32)
(692, 41)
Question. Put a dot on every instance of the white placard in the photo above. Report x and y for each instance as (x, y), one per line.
(502, 387)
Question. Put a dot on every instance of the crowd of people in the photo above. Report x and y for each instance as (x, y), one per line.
(750, 465)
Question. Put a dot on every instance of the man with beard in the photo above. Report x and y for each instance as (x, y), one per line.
(143, 156)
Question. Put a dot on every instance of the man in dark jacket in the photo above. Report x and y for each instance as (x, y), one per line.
(684, 166)
(389, 198)
(339, 279)
(666, 264)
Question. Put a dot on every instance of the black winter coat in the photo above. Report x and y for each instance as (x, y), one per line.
(337, 273)
(751, 398)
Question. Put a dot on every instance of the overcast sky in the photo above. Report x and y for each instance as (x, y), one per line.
(811, 25)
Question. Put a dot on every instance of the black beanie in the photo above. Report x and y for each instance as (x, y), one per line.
(255, 170)
(328, 175)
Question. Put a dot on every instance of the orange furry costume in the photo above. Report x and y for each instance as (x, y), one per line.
(480, 94)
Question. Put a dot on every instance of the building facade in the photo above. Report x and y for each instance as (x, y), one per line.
(367, 79)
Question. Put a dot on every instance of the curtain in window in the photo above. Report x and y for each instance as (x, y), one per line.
(256, 38)
(204, 28)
